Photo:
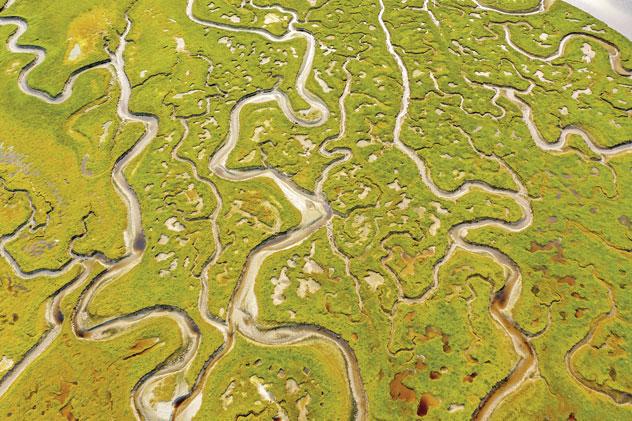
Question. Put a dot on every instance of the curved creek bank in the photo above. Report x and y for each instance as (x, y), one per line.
(315, 214)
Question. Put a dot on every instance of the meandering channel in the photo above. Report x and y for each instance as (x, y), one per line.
(315, 214)
(82, 325)
(505, 299)
(86, 328)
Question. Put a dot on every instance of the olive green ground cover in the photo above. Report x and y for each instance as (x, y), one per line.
(301, 381)
(70, 150)
(83, 29)
(512, 5)
(389, 230)
(78, 379)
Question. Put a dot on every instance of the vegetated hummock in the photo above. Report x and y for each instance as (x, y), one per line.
(314, 209)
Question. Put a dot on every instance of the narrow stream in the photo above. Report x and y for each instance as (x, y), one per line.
(504, 301)
(315, 214)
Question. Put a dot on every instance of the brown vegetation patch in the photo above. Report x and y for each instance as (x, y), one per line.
(399, 391)
(555, 244)
(410, 316)
(141, 346)
(568, 280)
(579, 312)
(470, 378)
(426, 402)
(420, 365)
(66, 412)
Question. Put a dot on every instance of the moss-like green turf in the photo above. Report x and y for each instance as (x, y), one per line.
(362, 275)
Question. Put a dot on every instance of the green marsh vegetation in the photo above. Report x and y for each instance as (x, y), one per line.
(81, 31)
(74, 146)
(301, 381)
(368, 275)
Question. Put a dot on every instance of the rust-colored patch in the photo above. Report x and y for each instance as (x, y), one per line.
(64, 391)
(409, 317)
(431, 332)
(420, 365)
(426, 402)
(557, 257)
(568, 280)
(470, 378)
(579, 312)
(576, 295)
(434, 375)
(399, 391)
(66, 412)
(446, 343)
(141, 346)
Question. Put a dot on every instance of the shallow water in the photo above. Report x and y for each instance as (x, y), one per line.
(616, 13)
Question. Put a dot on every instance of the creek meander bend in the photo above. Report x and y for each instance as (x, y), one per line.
(316, 214)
